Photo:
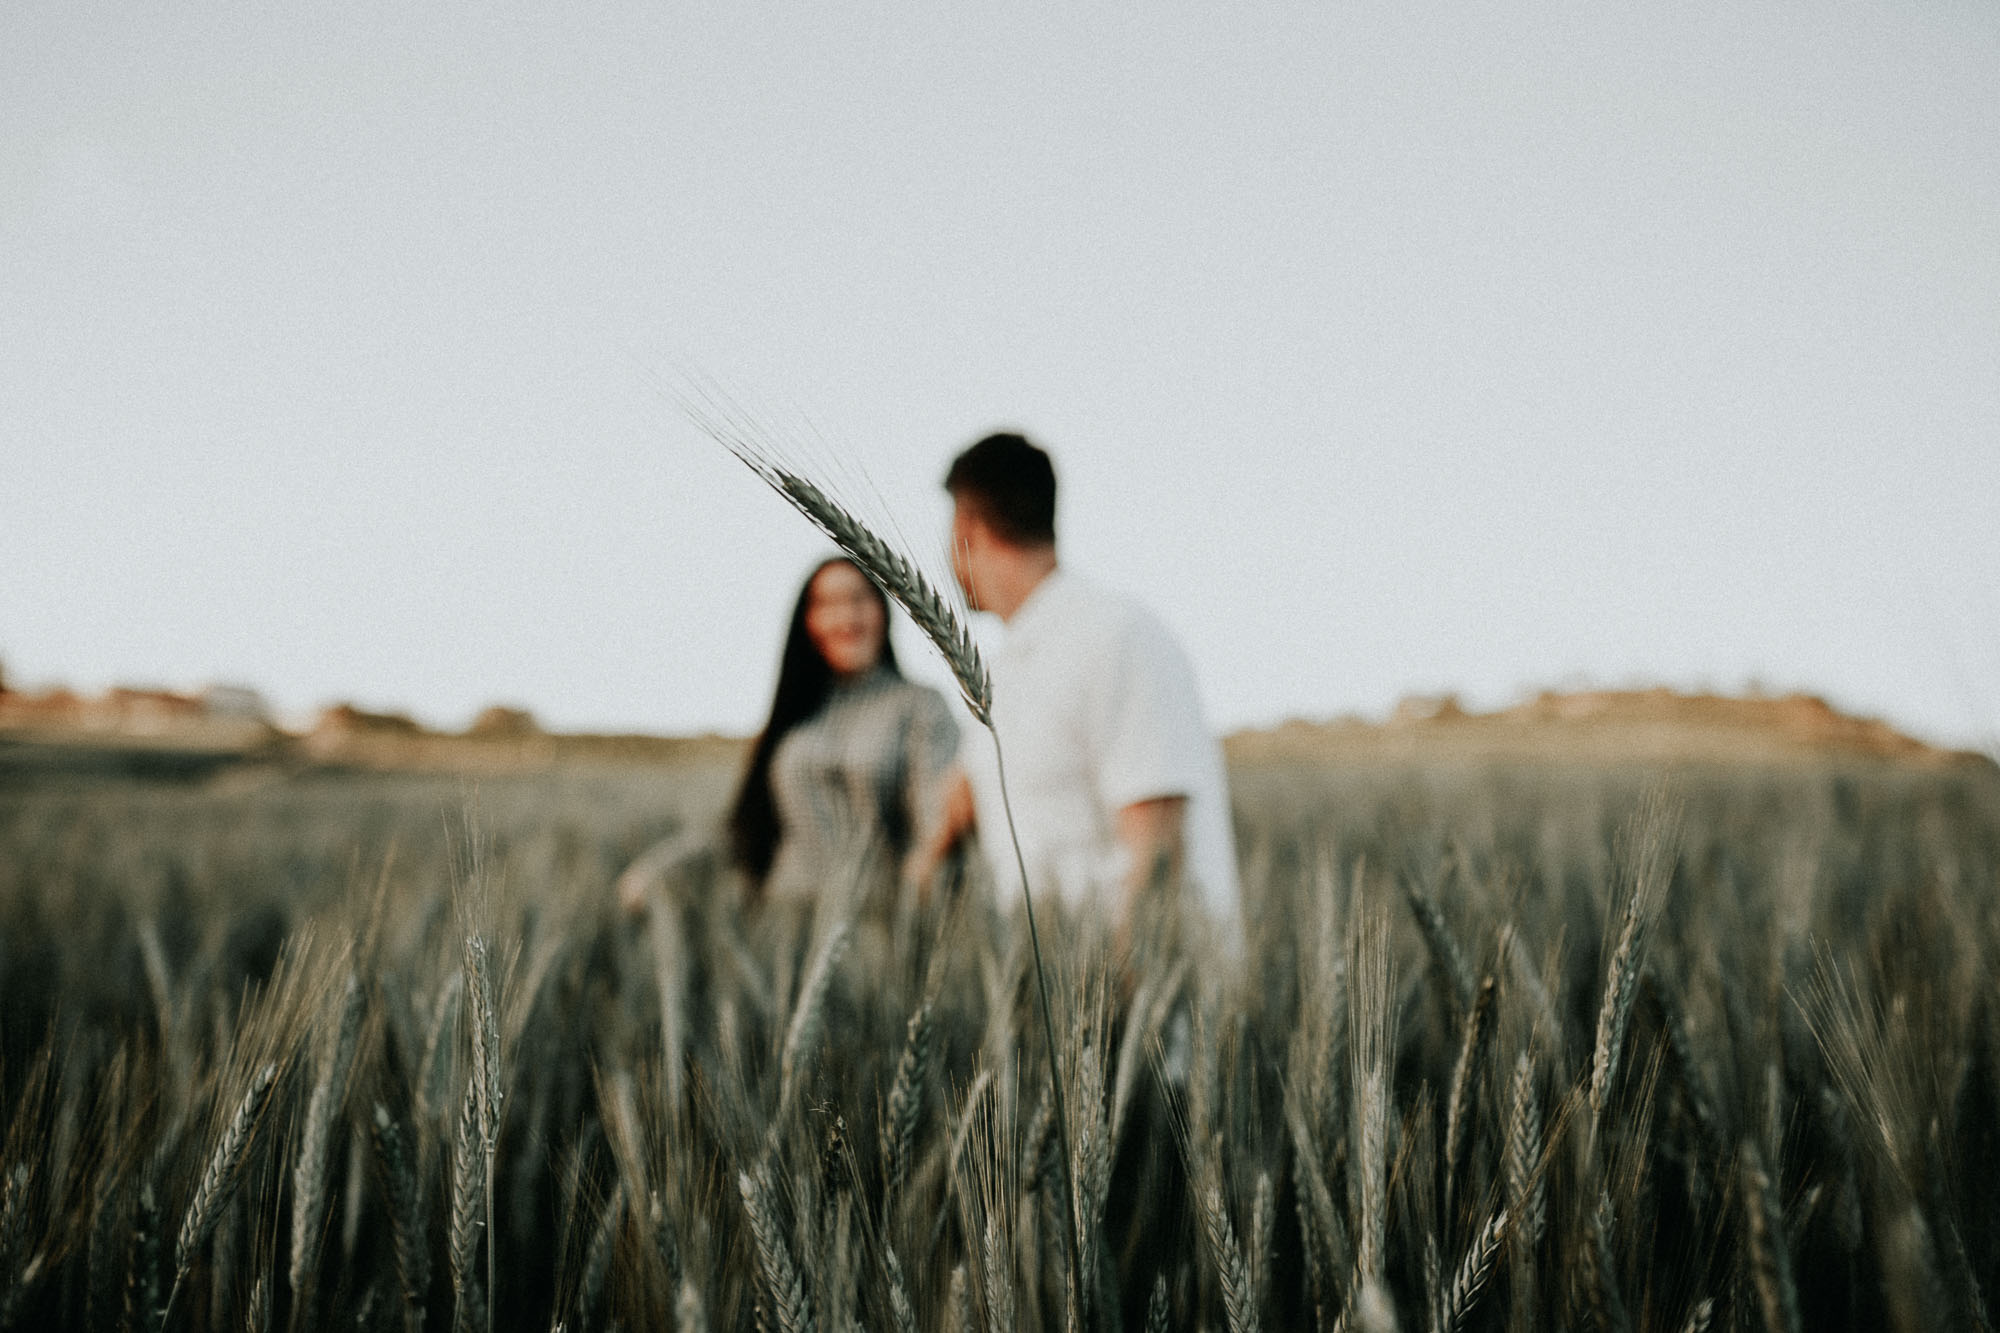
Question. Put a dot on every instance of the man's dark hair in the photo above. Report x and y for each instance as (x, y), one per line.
(1012, 485)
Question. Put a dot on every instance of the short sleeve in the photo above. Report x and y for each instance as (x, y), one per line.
(1152, 740)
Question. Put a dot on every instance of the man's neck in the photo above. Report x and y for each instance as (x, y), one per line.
(1017, 580)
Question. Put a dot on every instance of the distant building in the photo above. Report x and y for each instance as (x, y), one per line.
(500, 722)
(143, 712)
(237, 703)
(346, 719)
(1427, 708)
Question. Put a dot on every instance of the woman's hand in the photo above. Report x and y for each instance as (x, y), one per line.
(955, 819)
(634, 888)
(653, 867)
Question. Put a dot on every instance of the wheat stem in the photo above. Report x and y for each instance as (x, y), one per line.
(1081, 1294)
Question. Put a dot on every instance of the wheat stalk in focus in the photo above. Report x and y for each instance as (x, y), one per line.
(936, 615)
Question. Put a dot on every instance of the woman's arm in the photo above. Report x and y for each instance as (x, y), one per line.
(664, 860)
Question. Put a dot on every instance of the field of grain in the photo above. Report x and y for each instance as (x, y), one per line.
(1514, 1045)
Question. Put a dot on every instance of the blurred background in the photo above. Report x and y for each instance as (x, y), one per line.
(1384, 349)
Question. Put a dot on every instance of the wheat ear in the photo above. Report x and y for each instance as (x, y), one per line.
(1472, 1273)
(1371, 1109)
(1600, 1280)
(1092, 1169)
(1648, 873)
(1157, 1311)
(901, 1312)
(13, 1224)
(1238, 1301)
(892, 571)
(781, 1279)
(802, 1033)
(1434, 1293)
(1770, 1263)
(905, 1106)
(1458, 1101)
(13, 1208)
(1318, 1217)
(406, 1226)
(1263, 1223)
(997, 1267)
(485, 1025)
(485, 1018)
(1443, 945)
(468, 1211)
(1682, 1047)
(257, 1313)
(1526, 1189)
(309, 1175)
(1619, 989)
(597, 1260)
(219, 1180)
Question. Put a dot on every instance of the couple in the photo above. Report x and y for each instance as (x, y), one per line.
(1115, 779)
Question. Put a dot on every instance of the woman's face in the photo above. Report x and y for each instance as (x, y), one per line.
(844, 619)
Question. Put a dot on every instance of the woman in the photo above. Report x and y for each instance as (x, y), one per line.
(843, 781)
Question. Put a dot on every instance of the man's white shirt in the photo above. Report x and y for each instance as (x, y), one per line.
(1097, 709)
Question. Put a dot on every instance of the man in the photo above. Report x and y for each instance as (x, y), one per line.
(1114, 775)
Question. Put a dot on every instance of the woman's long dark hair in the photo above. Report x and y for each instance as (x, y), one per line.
(804, 681)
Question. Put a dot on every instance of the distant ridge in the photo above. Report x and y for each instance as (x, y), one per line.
(1601, 726)
(166, 733)
(150, 730)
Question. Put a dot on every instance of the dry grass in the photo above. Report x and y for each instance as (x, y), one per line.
(1511, 1048)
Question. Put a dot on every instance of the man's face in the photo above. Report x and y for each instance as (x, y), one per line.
(969, 542)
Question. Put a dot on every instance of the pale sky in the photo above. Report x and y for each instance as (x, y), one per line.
(1382, 348)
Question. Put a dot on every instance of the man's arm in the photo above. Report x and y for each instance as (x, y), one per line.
(1151, 833)
(955, 820)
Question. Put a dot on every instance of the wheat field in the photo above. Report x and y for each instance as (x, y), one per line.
(1522, 1046)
